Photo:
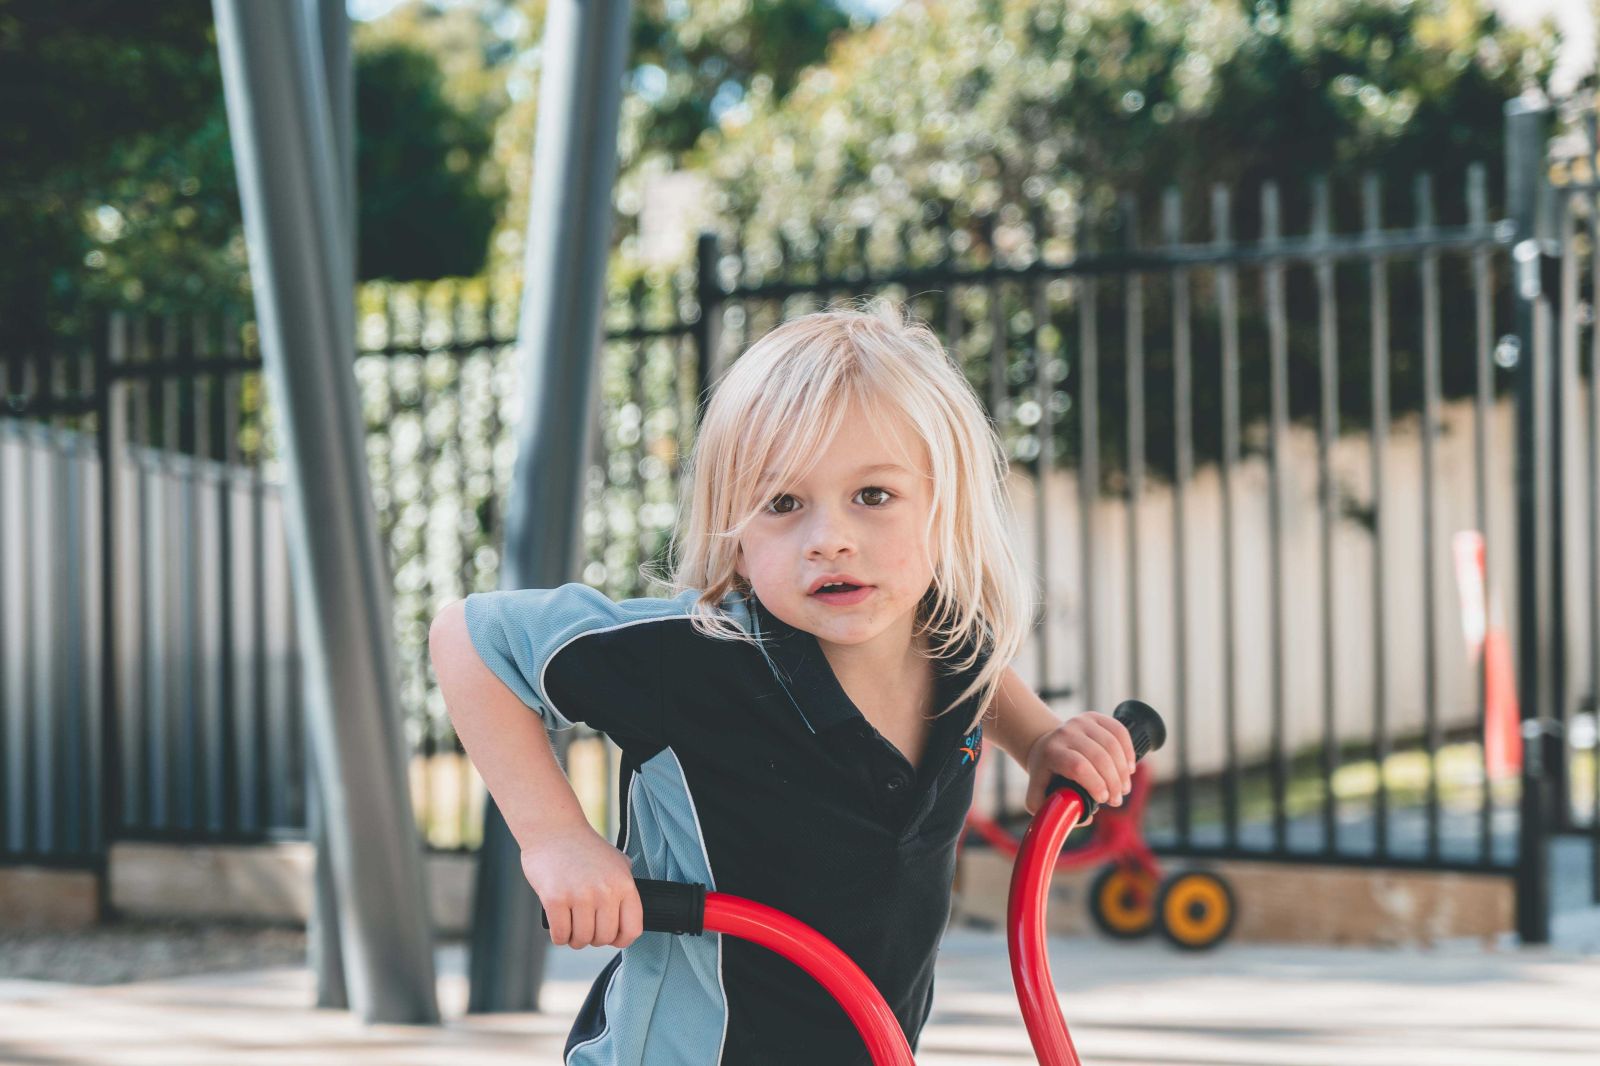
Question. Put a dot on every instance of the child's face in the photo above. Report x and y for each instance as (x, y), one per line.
(844, 518)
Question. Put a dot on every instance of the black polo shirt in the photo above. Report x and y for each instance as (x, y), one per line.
(748, 769)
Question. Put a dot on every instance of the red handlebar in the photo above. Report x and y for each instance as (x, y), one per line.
(817, 955)
(1025, 927)
(1029, 899)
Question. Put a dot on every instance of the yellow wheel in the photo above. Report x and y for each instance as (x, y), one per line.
(1195, 909)
(1122, 902)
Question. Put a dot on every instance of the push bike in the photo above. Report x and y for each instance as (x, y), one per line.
(688, 909)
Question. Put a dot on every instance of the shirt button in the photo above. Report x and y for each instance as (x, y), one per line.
(894, 783)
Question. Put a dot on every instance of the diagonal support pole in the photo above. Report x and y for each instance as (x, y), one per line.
(285, 152)
(558, 338)
(322, 927)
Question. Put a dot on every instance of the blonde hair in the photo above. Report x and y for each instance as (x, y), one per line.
(778, 407)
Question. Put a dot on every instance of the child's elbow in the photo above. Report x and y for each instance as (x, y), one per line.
(448, 631)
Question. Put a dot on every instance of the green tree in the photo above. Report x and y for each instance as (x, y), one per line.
(1002, 131)
(690, 66)
(957, 109)
(427, 200)
(115, 181)
(430, 87)
(692, 62)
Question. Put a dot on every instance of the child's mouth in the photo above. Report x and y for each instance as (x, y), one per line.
(843, 596)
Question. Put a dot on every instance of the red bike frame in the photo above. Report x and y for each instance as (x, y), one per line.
(1117, 836)
(1025, 920)
(819, 957)
(1026, 908)
(1025, 934)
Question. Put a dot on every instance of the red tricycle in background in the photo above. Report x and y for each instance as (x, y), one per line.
(1193, 909)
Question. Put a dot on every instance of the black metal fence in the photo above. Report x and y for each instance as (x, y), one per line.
(1213, 421)
(178, 562)
(1243, 439)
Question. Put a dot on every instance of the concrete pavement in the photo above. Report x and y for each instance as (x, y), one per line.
(1143, 1003)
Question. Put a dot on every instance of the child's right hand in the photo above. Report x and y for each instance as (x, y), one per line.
(586, 886)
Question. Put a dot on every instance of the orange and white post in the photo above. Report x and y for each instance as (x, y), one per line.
(1489, 649)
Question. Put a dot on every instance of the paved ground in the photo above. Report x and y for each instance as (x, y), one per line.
(112, 1002)
(1142, 1003)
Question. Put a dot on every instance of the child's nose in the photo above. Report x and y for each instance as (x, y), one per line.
(828, 533)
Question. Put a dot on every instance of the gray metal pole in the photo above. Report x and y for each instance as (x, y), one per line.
(568, 242)
(322, 926)
(333, 22)
(285, 151)
(1526, 121)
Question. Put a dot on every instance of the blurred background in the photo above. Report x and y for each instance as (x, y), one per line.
(1239, 283)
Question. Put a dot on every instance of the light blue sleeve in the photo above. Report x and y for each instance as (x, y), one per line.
(573, 655)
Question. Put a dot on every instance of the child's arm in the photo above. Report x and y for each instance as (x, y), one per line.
(1092, 749)
(585, 884)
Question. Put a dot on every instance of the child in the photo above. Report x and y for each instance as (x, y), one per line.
(800, 724)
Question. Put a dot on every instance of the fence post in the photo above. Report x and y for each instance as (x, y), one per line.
(110, 435)
(708, 293)
(1527, 118)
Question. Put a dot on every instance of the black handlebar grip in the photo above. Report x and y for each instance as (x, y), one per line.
(669, 907)
(1145, 728)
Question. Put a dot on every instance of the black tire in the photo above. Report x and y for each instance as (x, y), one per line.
(1116, 906)
(1195, 910)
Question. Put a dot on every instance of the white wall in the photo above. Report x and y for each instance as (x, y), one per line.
(1352, 609)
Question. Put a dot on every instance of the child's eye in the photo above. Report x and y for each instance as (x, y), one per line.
(773, 508)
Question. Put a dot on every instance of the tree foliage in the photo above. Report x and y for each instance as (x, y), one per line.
(690, 65)
(979, 132)
(427, 199)
(691, 62)
(110, 117)
(430, 87)
(117, 181)
(961, 109)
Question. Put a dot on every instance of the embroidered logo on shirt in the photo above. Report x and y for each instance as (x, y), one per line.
(972, 745)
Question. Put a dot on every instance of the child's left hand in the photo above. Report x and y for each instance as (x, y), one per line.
(1092, 749)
